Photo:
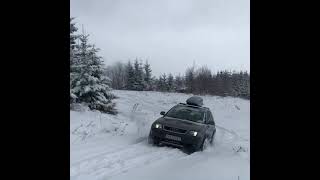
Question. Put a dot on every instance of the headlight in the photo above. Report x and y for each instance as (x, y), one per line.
(158, 126)
(193, 133)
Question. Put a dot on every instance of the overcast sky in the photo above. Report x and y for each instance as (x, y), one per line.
(170, 34)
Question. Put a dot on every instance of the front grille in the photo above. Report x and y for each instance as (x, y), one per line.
(177, 130)
(172, 141)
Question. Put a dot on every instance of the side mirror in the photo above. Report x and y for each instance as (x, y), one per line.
(162, 113)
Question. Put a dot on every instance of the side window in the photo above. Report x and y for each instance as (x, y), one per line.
(207, 117)
(211, 117)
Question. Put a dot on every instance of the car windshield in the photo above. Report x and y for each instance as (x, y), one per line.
(187, 113)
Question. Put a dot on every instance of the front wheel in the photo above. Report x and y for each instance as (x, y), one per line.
(205, 144)
(152, 141)
(212, 138)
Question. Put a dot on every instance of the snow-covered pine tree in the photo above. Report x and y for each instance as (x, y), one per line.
(235, 84)
(159, 83)
(147, 77)
(142, 76)
(163, 83)
(130, 79)
(244, 85)
(73, 59)
(170, 83)
(90, 85)
(247, 84)
(227, 84)
(179, 83)
(73, 36)
(138, 76)
(219, 84)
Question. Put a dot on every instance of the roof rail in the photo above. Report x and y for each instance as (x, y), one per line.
(193, 106)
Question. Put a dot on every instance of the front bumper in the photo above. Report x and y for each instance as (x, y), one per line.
(187, 140)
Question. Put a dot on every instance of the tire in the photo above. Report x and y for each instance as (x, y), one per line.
(152, 141)
(188, 150)
(205, 144)
(212, 138)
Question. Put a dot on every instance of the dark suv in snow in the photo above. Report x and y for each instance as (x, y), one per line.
(186, 126)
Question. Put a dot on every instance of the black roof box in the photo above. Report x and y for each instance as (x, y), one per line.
(195, 100)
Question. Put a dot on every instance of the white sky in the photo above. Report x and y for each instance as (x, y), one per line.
(171, 34)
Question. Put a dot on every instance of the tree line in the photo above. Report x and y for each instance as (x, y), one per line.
(91, 82)
(137, 76)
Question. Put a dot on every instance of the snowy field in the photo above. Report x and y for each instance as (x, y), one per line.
(115, 147)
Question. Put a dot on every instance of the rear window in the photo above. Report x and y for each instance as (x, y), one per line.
(187, 113)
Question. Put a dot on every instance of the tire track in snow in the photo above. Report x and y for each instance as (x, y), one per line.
(120, 160)
(108, 164)
(232, 132)
(228, 141)
(97, 155)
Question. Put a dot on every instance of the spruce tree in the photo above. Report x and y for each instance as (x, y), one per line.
(89, 85)
(236, 84)
(162, 83)
(159, 82)
(147, 77)
(130, 79)
(74, 71)
(170, 83)
(138, 76)
(73, 36)
(219, 84)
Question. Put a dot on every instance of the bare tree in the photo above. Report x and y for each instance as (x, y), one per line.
(190, 79)
(179, 84)
(117, 74)
(203, 80)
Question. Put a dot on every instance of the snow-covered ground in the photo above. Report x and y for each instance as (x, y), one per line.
(115, 147)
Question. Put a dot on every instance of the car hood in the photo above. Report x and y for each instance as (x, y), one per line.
(180, 123)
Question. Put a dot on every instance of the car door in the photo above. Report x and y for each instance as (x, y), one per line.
(208, 127)
(211, 124)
